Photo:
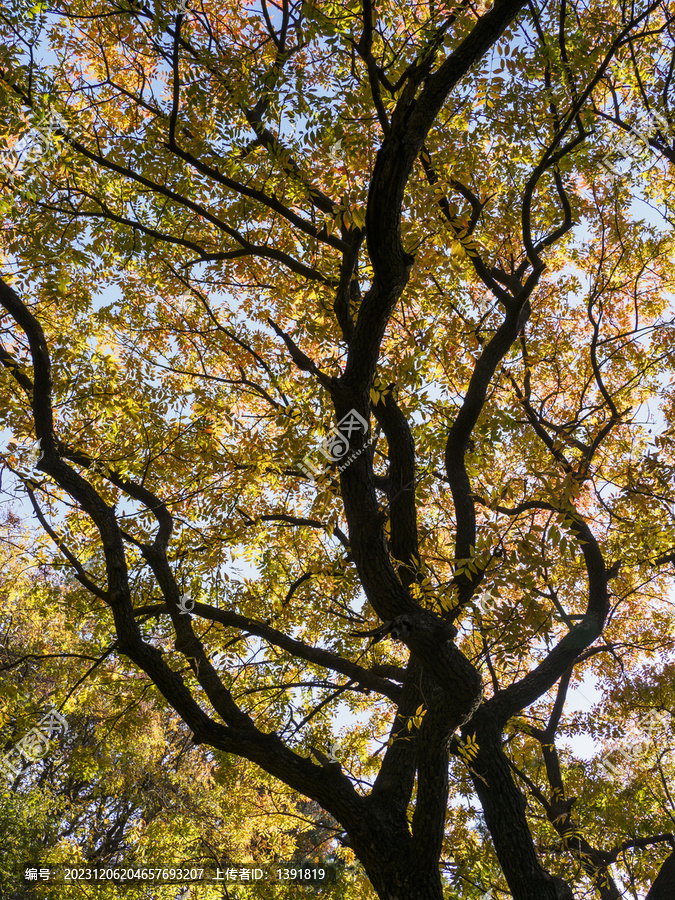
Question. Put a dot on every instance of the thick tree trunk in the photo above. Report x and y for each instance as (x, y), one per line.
(664, 886)
(406, 882)
(384, 845)
(504, 809)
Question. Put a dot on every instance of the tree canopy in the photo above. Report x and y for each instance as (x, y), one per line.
(337, 347)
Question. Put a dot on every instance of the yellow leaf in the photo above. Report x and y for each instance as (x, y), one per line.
(359, 218)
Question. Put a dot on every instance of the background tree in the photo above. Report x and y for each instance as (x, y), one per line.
(290, 215)
(126, 786)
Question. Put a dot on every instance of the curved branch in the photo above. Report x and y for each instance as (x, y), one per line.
(316, 655)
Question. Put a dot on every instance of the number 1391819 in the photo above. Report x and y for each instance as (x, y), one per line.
(312, 874)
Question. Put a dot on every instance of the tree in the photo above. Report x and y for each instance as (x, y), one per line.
(125, 786)
(411, 231)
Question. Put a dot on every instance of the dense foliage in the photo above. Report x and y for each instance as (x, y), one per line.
(346, 332)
